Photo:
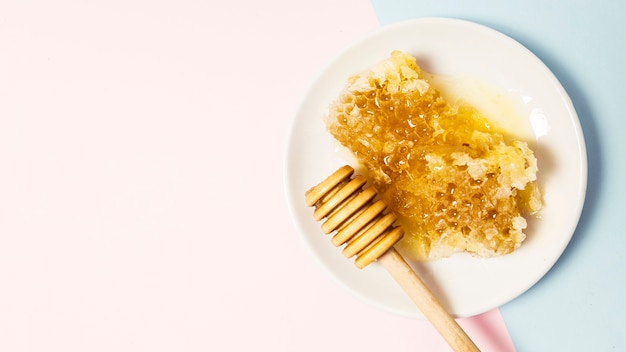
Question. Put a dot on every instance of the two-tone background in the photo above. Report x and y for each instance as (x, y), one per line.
(142, 204)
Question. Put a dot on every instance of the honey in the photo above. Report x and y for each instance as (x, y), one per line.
(456, 181)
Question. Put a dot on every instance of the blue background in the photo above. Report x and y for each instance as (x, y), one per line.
(579, 305)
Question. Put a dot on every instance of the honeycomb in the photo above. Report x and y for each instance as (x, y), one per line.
(456, 182)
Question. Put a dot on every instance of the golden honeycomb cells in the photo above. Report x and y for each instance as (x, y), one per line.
(455, 181)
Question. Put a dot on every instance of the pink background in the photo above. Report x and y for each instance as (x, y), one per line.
(141, 193)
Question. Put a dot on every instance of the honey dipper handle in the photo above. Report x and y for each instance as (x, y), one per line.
(426, 301)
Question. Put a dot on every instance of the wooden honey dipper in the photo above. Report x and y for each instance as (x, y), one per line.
(369, 233)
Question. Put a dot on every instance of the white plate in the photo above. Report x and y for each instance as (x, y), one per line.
(467, 286)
